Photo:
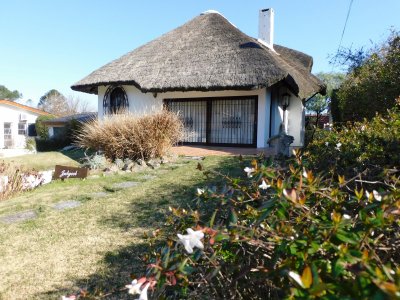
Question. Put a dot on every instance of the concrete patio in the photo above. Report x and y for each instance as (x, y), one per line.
(209, 151)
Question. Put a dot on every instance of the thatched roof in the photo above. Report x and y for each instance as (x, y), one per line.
(207, 53)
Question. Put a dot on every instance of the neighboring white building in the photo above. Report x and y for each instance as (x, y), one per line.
(16, 123)
(229, 88)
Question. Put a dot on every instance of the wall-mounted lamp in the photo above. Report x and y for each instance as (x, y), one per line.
(285, 101)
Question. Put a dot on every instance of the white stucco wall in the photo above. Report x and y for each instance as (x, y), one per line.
(11, 114)
(141, 103)
(295, 116)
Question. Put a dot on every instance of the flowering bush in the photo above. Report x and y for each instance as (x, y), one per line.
(280, 233)
(366, 148)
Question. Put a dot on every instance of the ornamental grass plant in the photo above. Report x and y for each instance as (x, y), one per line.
(10, 180)
(122, 136)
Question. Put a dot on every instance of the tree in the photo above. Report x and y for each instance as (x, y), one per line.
(318, 104)
(53, 102)
(372, 83)
(41, 129)
(6, 94)
(56, 103)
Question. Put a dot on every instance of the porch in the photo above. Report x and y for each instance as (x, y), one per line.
(212, 150)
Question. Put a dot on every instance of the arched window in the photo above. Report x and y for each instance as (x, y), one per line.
(115, 100)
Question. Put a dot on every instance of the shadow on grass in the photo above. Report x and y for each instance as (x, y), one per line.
(77, 155)
(147, 213)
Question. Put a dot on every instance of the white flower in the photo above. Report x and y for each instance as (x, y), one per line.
(264, 185)
(338, 145)
(377, 196)
(200, 191)
(296, 277)
(347, 217)
(143, 294)
(134, 287)
(249, 171)
(367, 194)
(73, 297)
(191, 240)
(305, 175)
(327, 144)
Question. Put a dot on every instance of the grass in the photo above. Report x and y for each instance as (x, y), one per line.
(99, 243)
(46, 160)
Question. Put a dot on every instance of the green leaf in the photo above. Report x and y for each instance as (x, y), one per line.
(220, 236)
(233, 218)
(166, 258)
(338, 268)
(293, 249)
(213, 218)
(347, 237)
(182, 265)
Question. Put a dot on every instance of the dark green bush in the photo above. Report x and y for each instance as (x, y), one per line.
(51, 144)
(41, 129)
(367, 147)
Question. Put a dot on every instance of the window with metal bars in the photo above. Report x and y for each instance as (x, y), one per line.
(217, 121)
(115, 100)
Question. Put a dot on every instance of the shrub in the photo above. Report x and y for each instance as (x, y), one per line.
(366, 147)
(41, 129)
(30, 144)
(127, 136)
(94, 161)
(51, 144)
(281, 233)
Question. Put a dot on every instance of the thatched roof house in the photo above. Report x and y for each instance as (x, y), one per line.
(208, 57)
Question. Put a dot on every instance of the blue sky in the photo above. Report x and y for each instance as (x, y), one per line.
(48, 44)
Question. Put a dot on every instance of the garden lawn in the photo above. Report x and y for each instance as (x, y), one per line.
(46, 160)
(98, 243)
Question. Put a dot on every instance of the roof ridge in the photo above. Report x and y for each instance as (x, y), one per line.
(25, 107)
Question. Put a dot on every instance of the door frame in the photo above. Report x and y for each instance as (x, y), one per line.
(209, 101)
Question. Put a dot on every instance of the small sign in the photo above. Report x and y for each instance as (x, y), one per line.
(64, 172)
